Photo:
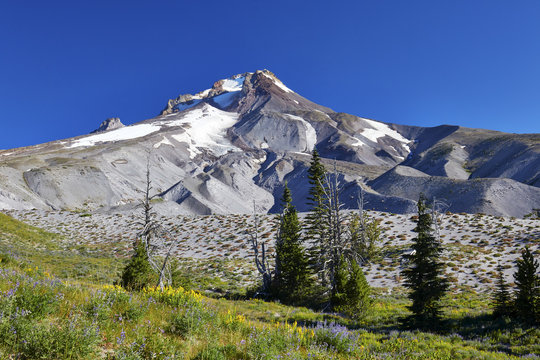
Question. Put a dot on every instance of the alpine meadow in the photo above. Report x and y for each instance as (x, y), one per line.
(182, 201)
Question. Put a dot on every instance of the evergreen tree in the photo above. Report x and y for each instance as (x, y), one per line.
(292, 274)
(316, 173)
(358, 292)
(501, 299)
(528, 286)
(316, 198)
(373, 236)
(351, 291)
(138, 272)
(364, 234)
(424, 275)
(339, 299)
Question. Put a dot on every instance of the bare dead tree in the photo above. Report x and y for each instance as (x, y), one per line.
(155, 237)
(333, 242)
(149, 225)
(261, 259)
(357, 232)
(438, 209)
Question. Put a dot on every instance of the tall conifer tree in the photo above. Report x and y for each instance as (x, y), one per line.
(315, 223)
(292, 274)
(528, 287)
(316, 198)
(424, 275)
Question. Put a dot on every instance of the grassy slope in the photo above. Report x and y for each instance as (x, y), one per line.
(48, 251)
(81, 318)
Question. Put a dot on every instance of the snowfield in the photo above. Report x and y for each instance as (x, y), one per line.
(205, 127)
(125, 133)
(380, 130)
(311, 134)
(232, 85)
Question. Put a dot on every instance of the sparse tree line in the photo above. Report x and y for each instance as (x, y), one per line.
(524, 303)
(318, 262)
(425, 278)
(322, 259)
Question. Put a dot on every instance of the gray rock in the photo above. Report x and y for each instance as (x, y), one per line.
(109, 124)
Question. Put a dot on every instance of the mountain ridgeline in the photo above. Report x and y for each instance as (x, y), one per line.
(220, 150)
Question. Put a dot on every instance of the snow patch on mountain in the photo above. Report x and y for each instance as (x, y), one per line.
(205, 127)
(232, 85)
(165, 141)
(311, 134)
(201, 95)
(380, 130)
(125, 133)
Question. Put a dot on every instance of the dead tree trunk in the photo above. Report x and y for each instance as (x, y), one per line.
(334, 240)
(261, 260)
(154, 236)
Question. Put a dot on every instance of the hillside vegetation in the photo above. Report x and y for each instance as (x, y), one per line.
(50, 310)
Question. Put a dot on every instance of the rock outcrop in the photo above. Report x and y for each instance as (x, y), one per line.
(109, 124)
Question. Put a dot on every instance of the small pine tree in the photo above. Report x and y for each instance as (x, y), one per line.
(138, 273)
(351, 295)
(373, 235)
(292, 276)
(424, 275)
(358, 292)
(364, 235)
(501, 298)
(316, 173)
(528, 286)
(339, 299)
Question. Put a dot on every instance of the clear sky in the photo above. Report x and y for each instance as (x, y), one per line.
(65, 66)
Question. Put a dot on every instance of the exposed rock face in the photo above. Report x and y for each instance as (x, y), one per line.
(109, 124)
(239, 141)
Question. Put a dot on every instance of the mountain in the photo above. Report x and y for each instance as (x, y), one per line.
(220, 150)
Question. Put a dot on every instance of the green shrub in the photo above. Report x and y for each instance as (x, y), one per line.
(266, 344)
(98, 307)
(69, 339)
(138, 273)
(114, 301)
(225, 352)
(38, 299)
(190, 321)
(146, 345)
(335, 335)
(5, 259)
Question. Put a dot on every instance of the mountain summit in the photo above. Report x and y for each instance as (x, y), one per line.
(237, 142)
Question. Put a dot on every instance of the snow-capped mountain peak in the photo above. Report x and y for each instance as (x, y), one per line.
(239, 140)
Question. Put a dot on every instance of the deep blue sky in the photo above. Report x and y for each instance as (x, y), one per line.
(65, 66)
